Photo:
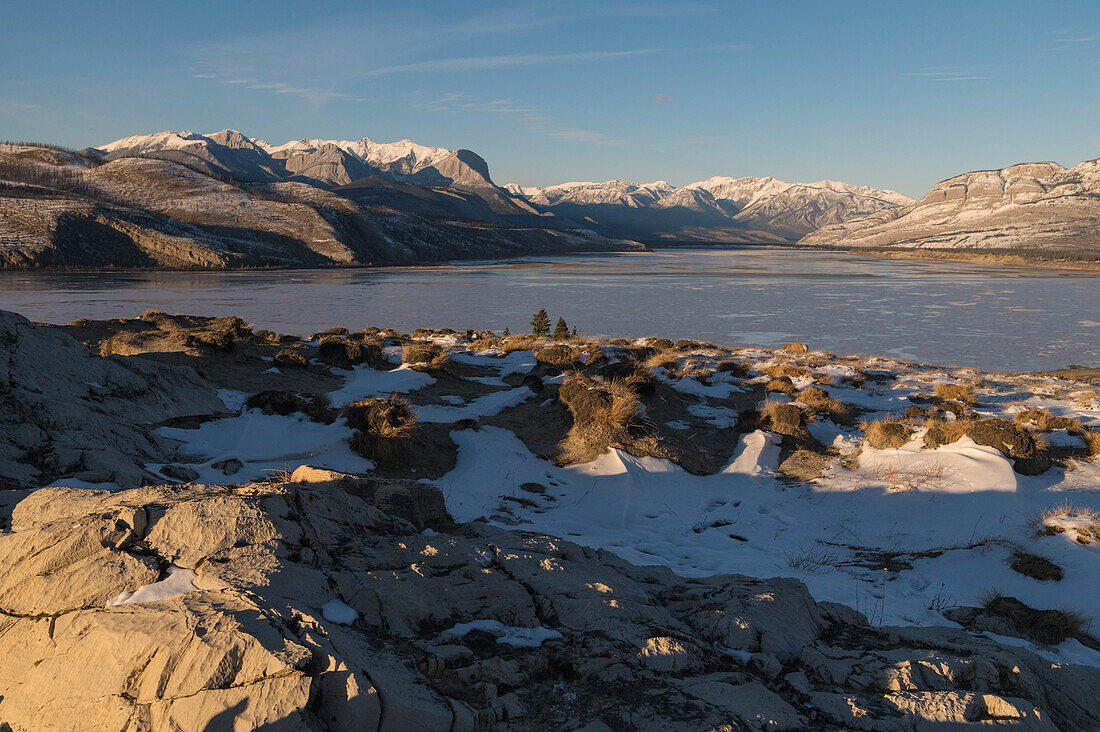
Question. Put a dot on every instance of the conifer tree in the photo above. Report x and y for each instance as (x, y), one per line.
(561, 330)
(540, 324)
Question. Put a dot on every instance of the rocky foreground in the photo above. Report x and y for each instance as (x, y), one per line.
(244, 530)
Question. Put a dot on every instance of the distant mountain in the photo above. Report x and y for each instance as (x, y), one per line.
(179, 201)
(716, 209)
(1030, 205)
(327, 164)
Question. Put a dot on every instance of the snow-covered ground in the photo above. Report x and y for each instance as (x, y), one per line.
(902, 535)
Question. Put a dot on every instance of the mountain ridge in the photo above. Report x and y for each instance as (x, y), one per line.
(1030, 205)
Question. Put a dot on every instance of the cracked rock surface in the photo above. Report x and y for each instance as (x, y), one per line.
(66, 411)
(249, 646)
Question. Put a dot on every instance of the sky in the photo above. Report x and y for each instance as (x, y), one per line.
(896, 95)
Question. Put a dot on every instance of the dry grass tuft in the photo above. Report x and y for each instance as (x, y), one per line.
(783, 419)
(667, 361)
(610, 405)
(344, 353)
(1048, 627)
(559, 355)
(789, 370)
(1036, 567)
(520, 342)
(317, 407)
(956, 393)
(886, 434)
(1082, 522)
(1047, 422)
(1092, 442)
(944, 433)
(424, 356)
(290, 358)
(930, 475)
(819, 400)
(781, 384)
(734, 368)
(384, 427)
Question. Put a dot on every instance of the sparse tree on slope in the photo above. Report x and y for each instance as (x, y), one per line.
(561, 330)
(540, 324)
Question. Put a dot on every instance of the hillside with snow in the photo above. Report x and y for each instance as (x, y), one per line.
(755, 210)
(1027, 206)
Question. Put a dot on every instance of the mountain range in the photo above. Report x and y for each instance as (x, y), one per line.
(1025, 206)
(188, 200)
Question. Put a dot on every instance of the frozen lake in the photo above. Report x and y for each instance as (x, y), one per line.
(988, 316)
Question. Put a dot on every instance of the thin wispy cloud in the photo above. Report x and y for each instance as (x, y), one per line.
(1085, 39)
(312, 94)
(478, 63)
(663, 98)
(948, 76)
(525, 116)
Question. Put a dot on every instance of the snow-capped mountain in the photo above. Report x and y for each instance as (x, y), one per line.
(367, 164)
(719, 208)
(1029, 205)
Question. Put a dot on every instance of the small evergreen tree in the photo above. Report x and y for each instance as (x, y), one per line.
(540, 324)
(561, 330)
(574, 330)
(506, 331)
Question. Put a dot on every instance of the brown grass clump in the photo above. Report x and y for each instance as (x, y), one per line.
(886, 435)
(634, 376)
(734, 368)
(343, 353)
(783, 419)
(521, 342)
(781, 384)
(1092, 442)
(384, 427)
(795, 348)
(944, 433)
(317, 407)
(1083, 523)
(665, 361)
(819, 400)
(559, 355)
(1048, 627)
(789, 370)
(1047, 422)
(1029, 455)
(290, 358)
(424, 356)
(659, 344)
(610, 405)
(1003, 435)
(956, 393)
(1036, 567)
(918, 413)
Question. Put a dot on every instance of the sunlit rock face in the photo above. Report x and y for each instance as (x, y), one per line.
(1029, 206)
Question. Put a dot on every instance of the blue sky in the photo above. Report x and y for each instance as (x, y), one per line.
(891, 94)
